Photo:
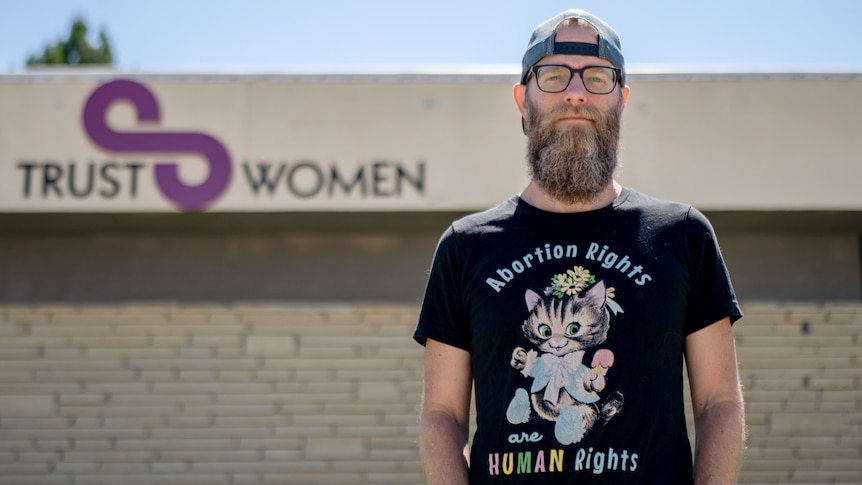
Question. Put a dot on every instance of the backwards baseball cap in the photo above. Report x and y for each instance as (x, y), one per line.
(542, 43)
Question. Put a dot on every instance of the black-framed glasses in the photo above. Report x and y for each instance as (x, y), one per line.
(554, 78)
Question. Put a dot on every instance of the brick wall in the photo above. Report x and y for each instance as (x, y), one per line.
(801, 366)
(208, 394)
(256, 394)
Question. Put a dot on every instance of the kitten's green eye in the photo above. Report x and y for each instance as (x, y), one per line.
(545, 331)
(572, 328)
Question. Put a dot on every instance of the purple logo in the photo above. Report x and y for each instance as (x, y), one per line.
(187, 197)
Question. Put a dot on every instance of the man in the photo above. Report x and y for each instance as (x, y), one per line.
(573, 305)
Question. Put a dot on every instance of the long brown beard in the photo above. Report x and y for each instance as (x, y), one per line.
(576, 164)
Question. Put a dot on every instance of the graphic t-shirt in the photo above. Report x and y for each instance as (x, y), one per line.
(576, 325)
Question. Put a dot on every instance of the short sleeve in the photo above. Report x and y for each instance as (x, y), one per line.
(443, 316)
(711, 296)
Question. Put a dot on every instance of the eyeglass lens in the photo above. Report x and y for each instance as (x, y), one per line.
(555, 79)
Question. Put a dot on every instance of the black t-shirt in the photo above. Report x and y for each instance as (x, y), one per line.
(576, 325)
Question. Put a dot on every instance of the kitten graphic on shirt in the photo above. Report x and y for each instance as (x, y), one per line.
(562, 327)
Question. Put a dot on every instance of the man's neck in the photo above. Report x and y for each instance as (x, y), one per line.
(537, 197)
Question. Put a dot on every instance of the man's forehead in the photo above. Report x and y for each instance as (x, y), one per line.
(576, 30)
(580, 33)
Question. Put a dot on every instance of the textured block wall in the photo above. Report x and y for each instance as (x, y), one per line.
(801, 366)
(295, 394)
(208, 395)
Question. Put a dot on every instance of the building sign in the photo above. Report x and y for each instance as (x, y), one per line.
(73, 141)
(128, 145)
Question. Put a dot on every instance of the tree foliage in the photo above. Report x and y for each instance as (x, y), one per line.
(76, 50)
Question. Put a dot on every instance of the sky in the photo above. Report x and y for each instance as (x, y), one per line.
(247, 36)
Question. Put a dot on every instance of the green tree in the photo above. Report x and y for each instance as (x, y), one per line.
(76, 50)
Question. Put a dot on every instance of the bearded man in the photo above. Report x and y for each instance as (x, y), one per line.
(570, 309)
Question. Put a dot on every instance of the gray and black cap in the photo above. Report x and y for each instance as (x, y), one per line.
(543, 43)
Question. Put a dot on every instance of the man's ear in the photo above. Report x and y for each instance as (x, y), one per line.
(625, 91)
(519, 92)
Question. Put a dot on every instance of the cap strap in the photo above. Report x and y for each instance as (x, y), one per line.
(576, 48)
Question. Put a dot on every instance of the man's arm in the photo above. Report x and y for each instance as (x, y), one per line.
(719, 417)
(446, 413)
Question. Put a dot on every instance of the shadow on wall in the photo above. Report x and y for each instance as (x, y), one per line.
(344, 268)
(794, 267)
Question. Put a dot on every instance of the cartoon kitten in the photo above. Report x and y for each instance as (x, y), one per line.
(564, 389)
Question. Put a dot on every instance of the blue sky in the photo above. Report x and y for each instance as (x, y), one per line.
(281, 36)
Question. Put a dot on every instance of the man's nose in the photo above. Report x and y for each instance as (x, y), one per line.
(576, 93)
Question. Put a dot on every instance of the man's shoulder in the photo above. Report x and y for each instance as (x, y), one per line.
(662, 213)
(644, 201)
(489, 220)
(654, 207)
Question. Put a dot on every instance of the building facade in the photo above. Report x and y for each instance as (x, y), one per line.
(214, 278)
